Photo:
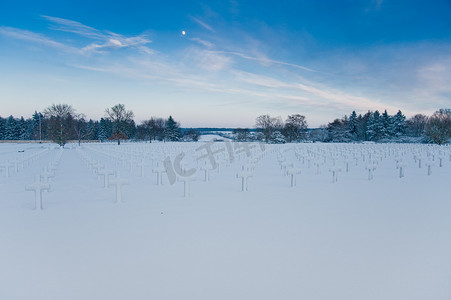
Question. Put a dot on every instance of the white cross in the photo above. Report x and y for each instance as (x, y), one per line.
(348, 161)
(244, 175)
(371, 168)
(96, 167)
(419, 161)
(159, 170)
(335, 170)
(285, 166)
(106, 175)
(47, 174)
(206, 172)
(38, 187)
(143, 165)
(293, 171)
(441, 158)
(6, 167)
(17, 163)
(401, 165)
(430, 164)
(118, 182)
(186, 184)
(318, 164)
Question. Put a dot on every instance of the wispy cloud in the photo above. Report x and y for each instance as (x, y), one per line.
(264, 60)
(202, 42)
(203, 24)
(104, 39)
(247, 72)
(302, 89)
(74, 27)
(30, 36)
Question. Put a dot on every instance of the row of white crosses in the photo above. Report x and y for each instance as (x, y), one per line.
(343, 156)
(289, 168)
(247, 169)
(19, 163)
(155, 159)
(105, 173)
(42, 181)
(158, 168)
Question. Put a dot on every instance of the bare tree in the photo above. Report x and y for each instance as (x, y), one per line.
(268, 125)
(154, 128)
(438, 128)
(416, 125)
(81, 127)
(295, 127)
(60, 121)
(121, 118)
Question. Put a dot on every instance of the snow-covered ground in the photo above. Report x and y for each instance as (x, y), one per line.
(384, 238)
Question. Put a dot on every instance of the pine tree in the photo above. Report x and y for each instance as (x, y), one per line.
(172, 130)
(11, 129)
(338, 130)
(2, 128)
(37, 125)
(22, 129)
(385, 127)
(105, 129)
(30, 125)
(374, 126)
(277, 138)
(92, 128)
(353, 125)
(398, 124)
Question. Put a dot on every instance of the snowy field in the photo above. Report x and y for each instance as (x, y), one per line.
(379, 229)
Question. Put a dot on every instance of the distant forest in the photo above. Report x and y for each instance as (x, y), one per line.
(61, 123)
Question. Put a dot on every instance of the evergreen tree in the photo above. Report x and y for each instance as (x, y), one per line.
(277, 138)
(129, 129)
(105, 129)
(398, 124)
(92, 128)
(172, 130)
(385, 125)
(338, 130)
(11, 129)
(2, 128)
(39, 126)
(353, 125)
(362, 126)
(30, 129)
(22, 129)
(375, 127)
(242, 134)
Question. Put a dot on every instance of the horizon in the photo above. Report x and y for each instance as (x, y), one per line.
(221, 65)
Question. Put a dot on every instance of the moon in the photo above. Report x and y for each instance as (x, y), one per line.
(183, 32)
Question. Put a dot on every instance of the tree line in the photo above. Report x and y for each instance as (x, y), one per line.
(61, 122)
(371, 126)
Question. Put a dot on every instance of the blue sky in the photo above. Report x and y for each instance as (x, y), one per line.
(237, 60)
